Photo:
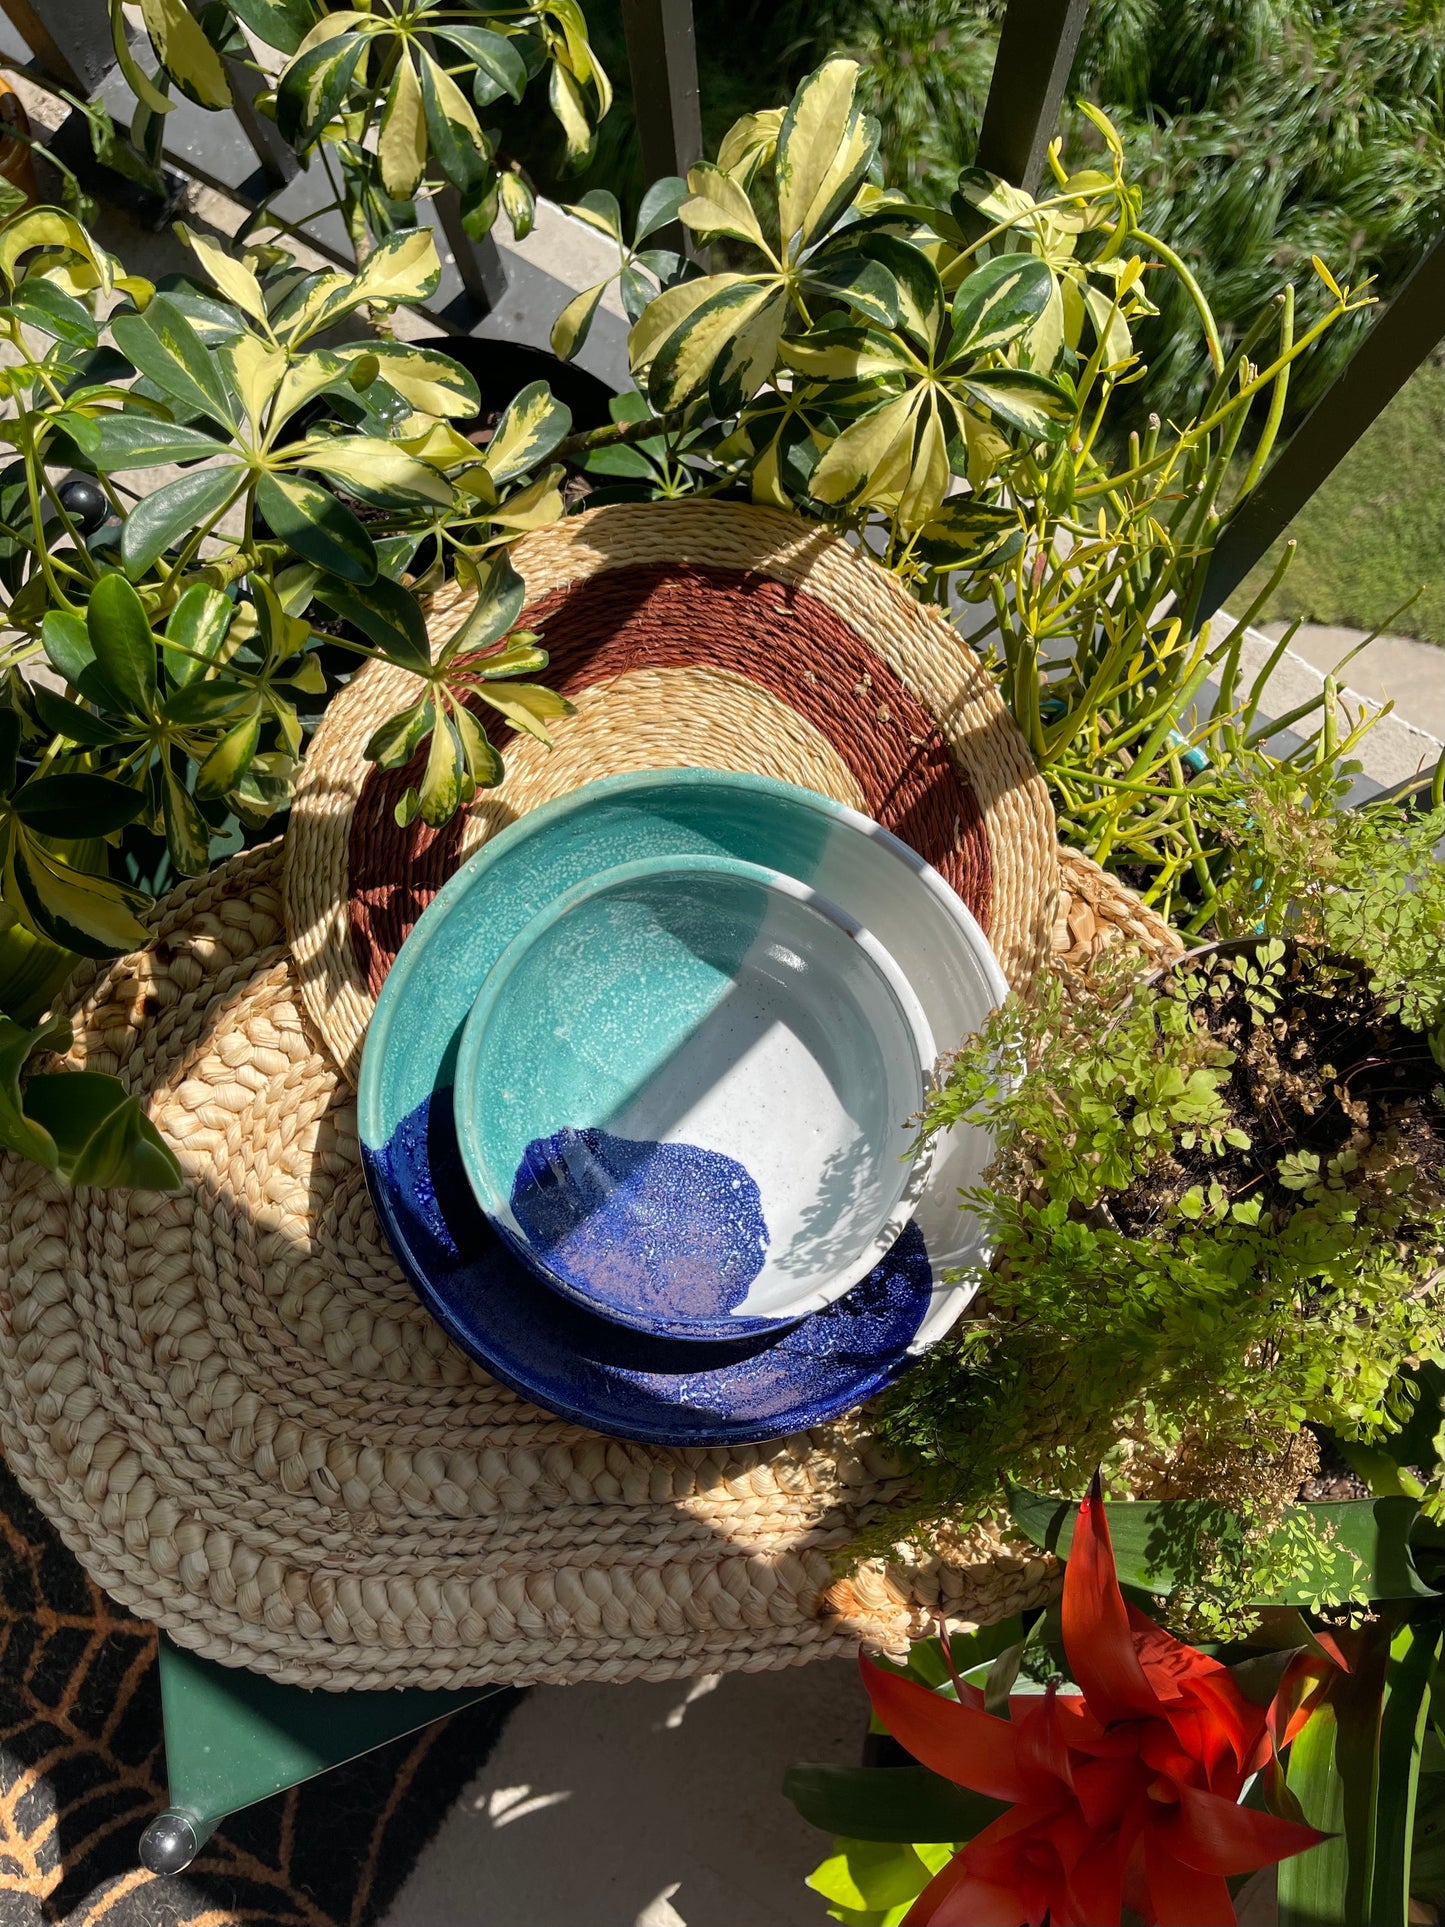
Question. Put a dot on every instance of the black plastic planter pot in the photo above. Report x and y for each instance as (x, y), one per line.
(501, 369)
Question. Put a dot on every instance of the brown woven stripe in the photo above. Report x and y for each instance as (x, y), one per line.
(675, 616)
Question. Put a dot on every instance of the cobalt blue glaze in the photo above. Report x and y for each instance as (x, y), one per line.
(660, 1391)
(663, 1228)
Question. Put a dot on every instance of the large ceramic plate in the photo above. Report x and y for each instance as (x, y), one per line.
(552, 1351)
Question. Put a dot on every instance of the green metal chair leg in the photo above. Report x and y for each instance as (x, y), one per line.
(234, 1737)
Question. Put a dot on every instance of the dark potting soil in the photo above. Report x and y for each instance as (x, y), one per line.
(1328, 1071)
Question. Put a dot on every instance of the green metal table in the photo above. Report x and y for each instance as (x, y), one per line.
(234, 1737)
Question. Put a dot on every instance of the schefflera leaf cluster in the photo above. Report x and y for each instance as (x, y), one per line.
(871, 353)
(179, 617)
(397, 101)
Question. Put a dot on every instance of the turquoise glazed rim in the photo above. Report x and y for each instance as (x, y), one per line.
(547, 1348)
(682, 1096)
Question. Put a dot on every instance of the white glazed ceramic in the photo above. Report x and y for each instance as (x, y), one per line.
(683, 1097)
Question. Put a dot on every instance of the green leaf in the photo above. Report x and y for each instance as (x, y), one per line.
(44, 306)
(235, 280)
(9, 746)
(188, 835)
(530, 429)
(519, 202)
(904, 1803)
(67, 645)
(394, 741)
(167, 350)
(659, 205)
(570, 108)
(458, 146)
(1413, 1652)
(195, 631)
(312, 89)
(92, 915)
(282, 24)
(716, 205)
(840, 353)
(201, 705)
(401, 146)
(870, 450)
(1367, 1541)
(857, 279)
(666, 313)
(386, 613)
(527, 706)
(572, 327)
(1028, 402)
(318, 527)
(500, 68)
(18, 1132)
(1313, 1884)
(376, 470)
(683, 366)
(876, 1880)
(920, 292)
(76, 806)
(185, 53)
(181, 506)
(500, 594)
(431, 382)
(121, 639)
(101, 1133)
(68, 719)
(229, 760)
(749, 356)
(441, 784)
(141, 441)
(483, 764)
(825, 148)
(998, 302)
(403, 267)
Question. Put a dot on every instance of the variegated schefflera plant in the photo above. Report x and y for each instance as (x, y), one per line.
(162, 631)
(398, 99)
(937, 380)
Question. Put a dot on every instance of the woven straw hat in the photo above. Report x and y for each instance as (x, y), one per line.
(247, 1428)
(230, 1404)
(690, 633)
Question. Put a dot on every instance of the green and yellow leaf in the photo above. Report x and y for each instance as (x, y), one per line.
(824, 149)
(717, 205)
(530, 429)
(401, 145)
(670, 309)
(232, 277)
(184, 51)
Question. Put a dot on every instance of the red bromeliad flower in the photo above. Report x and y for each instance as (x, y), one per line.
(1124, 1794)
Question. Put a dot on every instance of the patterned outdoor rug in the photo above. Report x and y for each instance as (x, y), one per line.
(82, 1769)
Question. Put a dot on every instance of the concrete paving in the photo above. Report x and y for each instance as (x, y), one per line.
(643, 1806)
(1397, 668)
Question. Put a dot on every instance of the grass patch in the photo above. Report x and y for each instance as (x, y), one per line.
(1375, 532)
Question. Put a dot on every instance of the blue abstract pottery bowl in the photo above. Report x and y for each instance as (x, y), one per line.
(549, 1349)
(682, 1097)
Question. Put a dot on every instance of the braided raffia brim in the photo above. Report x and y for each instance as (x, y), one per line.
(247, 1428)
(1095, 912)
(688, 634)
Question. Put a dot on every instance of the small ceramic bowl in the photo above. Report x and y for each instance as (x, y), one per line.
(683, 1094)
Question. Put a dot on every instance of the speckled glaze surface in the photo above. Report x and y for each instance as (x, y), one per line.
(545, 1347)
(682, 1096)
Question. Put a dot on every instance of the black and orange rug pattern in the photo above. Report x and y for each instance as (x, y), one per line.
(82, 1770)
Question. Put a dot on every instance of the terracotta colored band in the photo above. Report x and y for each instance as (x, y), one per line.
(676, 616)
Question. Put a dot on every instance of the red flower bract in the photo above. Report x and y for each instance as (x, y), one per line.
(1124, 1793)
